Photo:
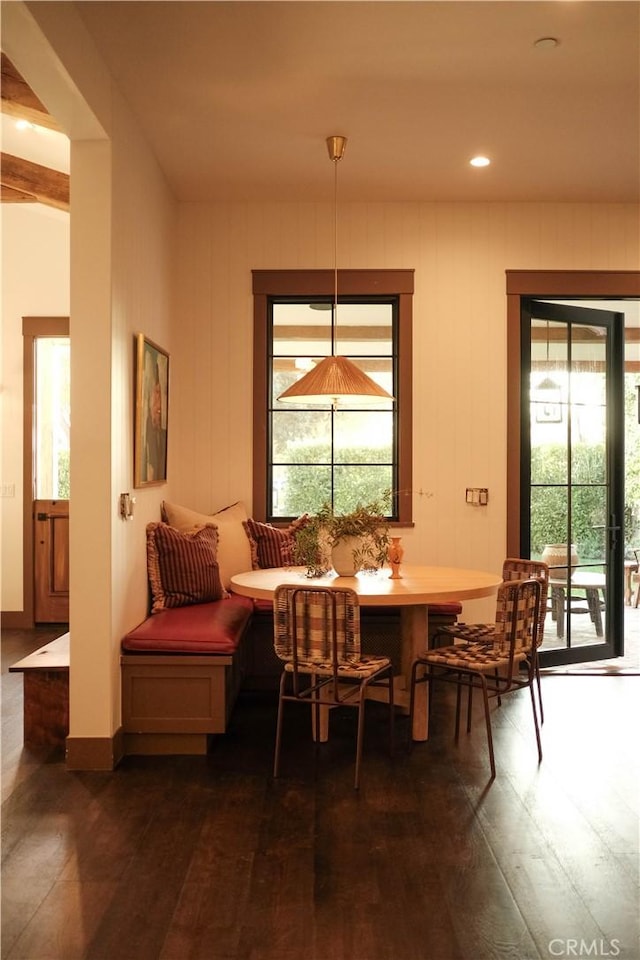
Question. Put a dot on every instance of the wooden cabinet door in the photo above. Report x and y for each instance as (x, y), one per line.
(51, 561)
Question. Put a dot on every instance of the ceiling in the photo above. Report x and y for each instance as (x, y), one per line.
(236, 98)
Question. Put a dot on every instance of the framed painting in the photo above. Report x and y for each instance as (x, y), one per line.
(152, 410)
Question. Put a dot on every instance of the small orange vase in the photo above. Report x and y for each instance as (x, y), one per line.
(396, 553)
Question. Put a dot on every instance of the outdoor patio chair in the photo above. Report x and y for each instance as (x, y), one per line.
(317, 636)
(634, 598)
(494, 667)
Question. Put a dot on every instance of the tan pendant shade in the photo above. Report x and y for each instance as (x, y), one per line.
(332, 380)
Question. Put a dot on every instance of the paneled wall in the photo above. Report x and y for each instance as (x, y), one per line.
(460, 253)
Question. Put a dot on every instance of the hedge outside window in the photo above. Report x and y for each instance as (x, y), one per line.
(307, 455)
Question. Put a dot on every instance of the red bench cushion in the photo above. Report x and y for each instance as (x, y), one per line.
(453, 609)
(202, 628)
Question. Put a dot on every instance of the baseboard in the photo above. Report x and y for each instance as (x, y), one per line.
(15, 620)
(166, 744)
(95, 753)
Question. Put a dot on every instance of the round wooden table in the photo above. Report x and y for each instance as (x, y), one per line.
(413, 592)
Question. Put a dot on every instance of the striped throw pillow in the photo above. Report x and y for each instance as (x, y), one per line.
(182, 567)
(272, 546)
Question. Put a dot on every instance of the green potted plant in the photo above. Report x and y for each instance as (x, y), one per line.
(349, 542)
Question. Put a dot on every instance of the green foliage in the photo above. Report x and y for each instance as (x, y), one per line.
(360, 478)
(589, 509)
(366, 522)
(63, 475)
(632, 464)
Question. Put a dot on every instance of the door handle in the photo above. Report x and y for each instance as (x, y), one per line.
(612, 529)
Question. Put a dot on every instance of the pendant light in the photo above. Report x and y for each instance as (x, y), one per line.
(334, 379)
(550, 388)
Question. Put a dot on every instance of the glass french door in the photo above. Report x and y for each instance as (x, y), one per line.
(572, 466)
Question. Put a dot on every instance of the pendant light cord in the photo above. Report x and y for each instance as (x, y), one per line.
(547, 343)
(335, 256)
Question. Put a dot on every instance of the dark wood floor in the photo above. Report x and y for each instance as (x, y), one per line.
(208, 858)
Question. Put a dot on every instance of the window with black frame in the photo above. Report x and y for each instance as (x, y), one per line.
(355, 451)
(343, 454)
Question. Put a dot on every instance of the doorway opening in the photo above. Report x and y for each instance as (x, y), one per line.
(46, 474)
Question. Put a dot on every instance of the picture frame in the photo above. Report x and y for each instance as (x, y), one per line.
(151, 413)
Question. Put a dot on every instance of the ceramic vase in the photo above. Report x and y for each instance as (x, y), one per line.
(396, 553)
(342, 556)
(555, 555)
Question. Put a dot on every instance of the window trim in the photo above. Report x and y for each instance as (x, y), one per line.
(312, 283)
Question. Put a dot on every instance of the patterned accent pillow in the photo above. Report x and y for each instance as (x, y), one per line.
(273, 546)
(182, 567)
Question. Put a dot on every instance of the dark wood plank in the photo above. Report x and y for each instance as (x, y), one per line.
(53, 655)
(207, 858)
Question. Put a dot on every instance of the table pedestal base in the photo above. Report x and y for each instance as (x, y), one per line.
(414, 625)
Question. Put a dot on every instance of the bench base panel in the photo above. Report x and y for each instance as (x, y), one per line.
(171, 704)
(46, 708)
(166, 744)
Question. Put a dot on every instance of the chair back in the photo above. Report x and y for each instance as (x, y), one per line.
(516, 568)
(316, 625)
(517, 618)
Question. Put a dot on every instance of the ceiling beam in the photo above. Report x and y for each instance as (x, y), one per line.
(585, 334)
(19, 100)
(23, 182)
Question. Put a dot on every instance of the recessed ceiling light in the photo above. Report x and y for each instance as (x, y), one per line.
(480, 162)
(23, 125)
(546, 43)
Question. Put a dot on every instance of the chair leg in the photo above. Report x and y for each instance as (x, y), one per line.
(535, 720)
(458, 696)
(318, 732)
(361, 704)
(469, 707)
(539, 685)
(276, 756)
(487, 720)
(412, 691)
(392, 714)
(497, 679)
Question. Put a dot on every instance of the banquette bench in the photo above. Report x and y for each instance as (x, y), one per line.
(181, 672)
(182, 669)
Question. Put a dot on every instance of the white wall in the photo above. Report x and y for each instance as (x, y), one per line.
(35, 282)
(122, 235)
(460, 253)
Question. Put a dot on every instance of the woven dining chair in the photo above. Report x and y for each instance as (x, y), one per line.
(317, 636)
(513, 568)
(493, 667)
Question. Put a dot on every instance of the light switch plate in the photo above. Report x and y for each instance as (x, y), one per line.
(477, 496)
